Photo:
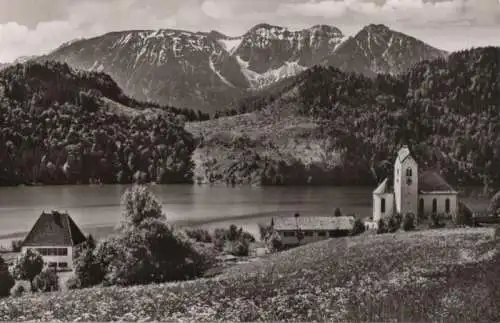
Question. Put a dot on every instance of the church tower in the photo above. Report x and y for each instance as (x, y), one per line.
(406, 183)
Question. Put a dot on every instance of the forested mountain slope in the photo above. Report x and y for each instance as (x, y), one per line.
(62, 126)
(326, 126)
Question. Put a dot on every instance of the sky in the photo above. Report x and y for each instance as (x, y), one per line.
(34, 27)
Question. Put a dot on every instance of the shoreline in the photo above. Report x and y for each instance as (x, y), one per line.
(101, 231)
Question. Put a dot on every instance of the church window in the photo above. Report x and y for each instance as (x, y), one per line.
(447, 206)
(382, 205)
(434, 206)
(408, 172)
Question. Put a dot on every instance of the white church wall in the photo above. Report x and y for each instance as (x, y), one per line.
(378, 211)
(440, 203)
(406, 186)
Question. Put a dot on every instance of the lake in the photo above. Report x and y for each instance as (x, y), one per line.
(94, 207)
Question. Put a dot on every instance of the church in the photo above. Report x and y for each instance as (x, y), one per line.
(419, 193)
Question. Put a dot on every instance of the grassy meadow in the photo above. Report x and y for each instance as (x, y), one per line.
(450, 275)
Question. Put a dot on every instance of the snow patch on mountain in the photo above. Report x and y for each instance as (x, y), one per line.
(230, 44)
(271, 76)
(341, 42)
(223, 79)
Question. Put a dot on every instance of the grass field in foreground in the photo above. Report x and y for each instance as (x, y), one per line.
(451, 275)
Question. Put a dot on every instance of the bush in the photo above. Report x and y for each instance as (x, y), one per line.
(140, 204)
(16, 245)
(394, 223)
(494, 206)
(409, 222)
(6, 279)
(274, 242)
(73, 282)
(146, 250)
(199, 235)
(89, 243)
(265, 231)
(239, 248)
(382, 227)
(87, 270)
(152, 253)
(18, 289)
(27, 266)
(46, 281)
(358, 228)
(233, 234)
(464, 216)
(436, 222)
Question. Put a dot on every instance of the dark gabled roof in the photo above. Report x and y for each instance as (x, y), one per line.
(54, 229)
(431, 181)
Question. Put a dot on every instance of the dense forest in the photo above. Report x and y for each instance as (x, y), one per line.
(54, 130)
(447, 110)
(323, 126)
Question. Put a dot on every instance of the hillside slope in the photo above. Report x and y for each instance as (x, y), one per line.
(326, 126)
(450, 275)
(209, 71)
(63, 126)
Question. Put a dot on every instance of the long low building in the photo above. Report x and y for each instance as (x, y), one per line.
(299, 230)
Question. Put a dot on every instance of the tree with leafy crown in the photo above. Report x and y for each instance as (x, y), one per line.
(6, 279)
(28, 265)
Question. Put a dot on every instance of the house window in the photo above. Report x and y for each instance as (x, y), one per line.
(62, 252)
(63, 265)
(447, 206)
(434, 206)
(335, 233)
(289, 234)
(321, 234)
(308, 233)
(382, 205)
(408, 172)
(52, 264)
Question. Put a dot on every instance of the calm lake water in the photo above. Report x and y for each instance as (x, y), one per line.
(209, 206)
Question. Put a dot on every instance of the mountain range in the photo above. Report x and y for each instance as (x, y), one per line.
(210, 71)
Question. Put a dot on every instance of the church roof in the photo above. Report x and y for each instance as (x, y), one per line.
(383, 188)
(403, 153)
(54, 229)
(431, 181)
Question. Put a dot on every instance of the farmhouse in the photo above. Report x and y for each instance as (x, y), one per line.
(298, 230)
(411, 192)
(54, 236)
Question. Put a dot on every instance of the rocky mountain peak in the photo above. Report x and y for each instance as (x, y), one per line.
(209, 70)
(379, 28)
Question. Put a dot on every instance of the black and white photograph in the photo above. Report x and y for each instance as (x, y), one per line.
(250, 160)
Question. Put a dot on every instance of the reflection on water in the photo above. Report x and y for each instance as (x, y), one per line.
(94, 206)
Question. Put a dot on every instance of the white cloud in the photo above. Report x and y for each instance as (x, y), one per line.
(326, 8)
(217, 9)
(17, 40)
